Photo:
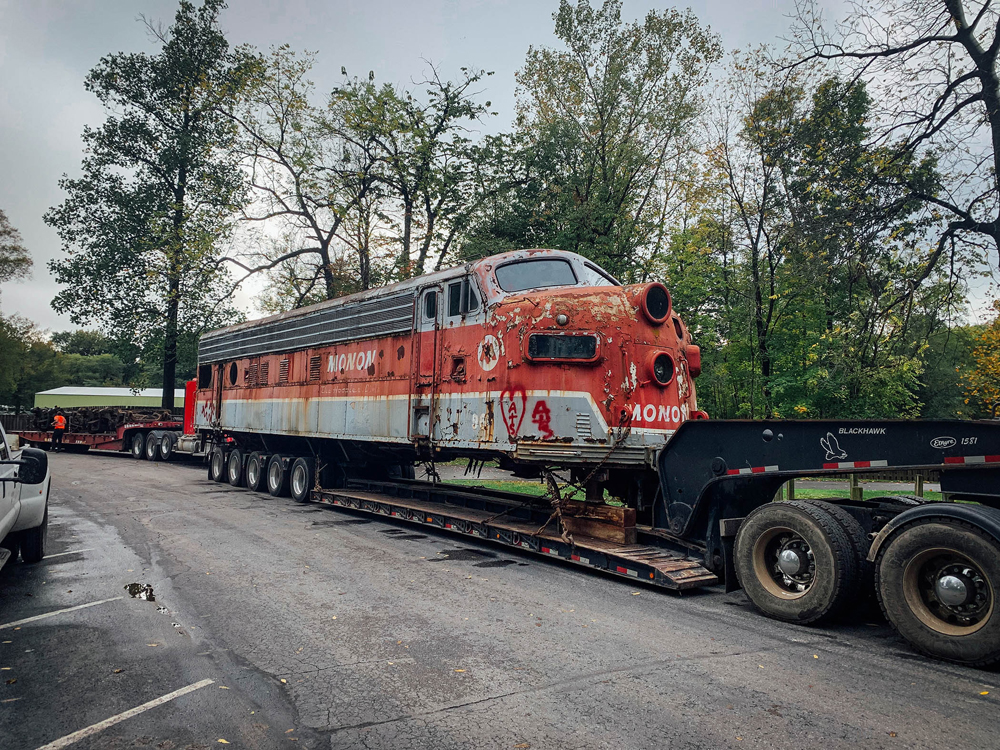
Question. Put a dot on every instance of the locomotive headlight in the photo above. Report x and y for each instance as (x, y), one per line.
(655, 303)
(662, 367)
(562, 319)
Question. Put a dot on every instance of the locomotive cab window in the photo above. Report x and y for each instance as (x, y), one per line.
(205, 376)
(462, 298)
(522, 275)
(430, 305)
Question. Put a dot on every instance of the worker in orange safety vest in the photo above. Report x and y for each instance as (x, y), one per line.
(58, 429)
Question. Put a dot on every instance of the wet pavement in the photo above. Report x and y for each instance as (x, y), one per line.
(326, 629)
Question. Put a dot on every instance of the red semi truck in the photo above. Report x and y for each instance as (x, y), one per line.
(153, 440)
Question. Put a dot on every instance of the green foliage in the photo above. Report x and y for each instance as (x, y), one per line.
(606, 122)
(15, 261)
(141, 226)
(29, 363)
(805, 261)
(81, 341)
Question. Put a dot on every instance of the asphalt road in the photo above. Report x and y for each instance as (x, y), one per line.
(321, 628)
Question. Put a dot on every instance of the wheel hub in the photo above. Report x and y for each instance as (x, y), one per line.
(954, 590)
(791, 563)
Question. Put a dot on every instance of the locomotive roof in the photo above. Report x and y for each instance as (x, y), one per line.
(373, 312)
(389, 289)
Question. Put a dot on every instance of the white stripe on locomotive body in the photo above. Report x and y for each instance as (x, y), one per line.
(385, 418)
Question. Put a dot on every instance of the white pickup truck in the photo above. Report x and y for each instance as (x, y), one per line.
(24, 501)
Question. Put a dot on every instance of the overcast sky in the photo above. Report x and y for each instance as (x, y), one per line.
(47, 47)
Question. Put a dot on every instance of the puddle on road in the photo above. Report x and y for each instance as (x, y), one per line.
(462, 554)
(496, 564)
(141, 591)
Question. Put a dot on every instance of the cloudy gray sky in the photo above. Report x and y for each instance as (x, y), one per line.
(47, 47)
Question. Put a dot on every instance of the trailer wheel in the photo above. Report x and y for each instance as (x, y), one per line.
(217, 465)
(937, 582)
(795, 562)
(153, 445)
(859, 543)
(234, 468)
(257, 471)
(301, 480)
(138, 445)
(277, 476)
(167, 443)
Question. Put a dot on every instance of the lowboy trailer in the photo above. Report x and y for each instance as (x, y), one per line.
(542, 361)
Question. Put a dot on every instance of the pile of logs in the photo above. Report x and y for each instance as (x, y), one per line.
(99, 419)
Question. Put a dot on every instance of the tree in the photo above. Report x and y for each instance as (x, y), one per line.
(86, 343)
(143, 225)
(15, 262)
(932, 65)
(809, 247)
(610, 113)
(982, 382)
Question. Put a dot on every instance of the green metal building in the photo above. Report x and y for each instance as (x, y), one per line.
(69, 397)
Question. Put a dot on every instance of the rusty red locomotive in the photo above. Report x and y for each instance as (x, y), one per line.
(537, 357)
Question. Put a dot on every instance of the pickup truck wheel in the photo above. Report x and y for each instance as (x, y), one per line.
(257, 471)
(795, 562)
(234, 468)
(153, 445)
(217, 465)
(937, 582)
(32, 541)
(139, 445)
(277, 477)
(301, 480)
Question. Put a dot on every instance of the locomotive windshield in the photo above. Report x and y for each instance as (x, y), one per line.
(522, 275)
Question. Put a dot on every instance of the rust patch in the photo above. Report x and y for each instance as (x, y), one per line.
(400, 352)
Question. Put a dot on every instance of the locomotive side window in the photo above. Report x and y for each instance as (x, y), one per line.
(461, 298)
(204, 376)
(522, 275)
(430, 305)
(601, 277)
(233, 371)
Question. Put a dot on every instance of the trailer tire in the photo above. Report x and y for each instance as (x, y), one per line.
(153, 445)
(138, 445)
(167, 443)
(256, 472)
(300, 479)
(859, 542)
(217, 465)
(910, 576)
(234, 468)
(277, 476)
(818, 571)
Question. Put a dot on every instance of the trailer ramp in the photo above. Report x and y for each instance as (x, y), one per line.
(497, 518)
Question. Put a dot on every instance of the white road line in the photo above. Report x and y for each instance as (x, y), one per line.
(93, 729)
(57, 612)
(74, 552)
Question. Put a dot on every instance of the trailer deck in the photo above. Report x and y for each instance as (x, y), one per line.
(507, 519)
